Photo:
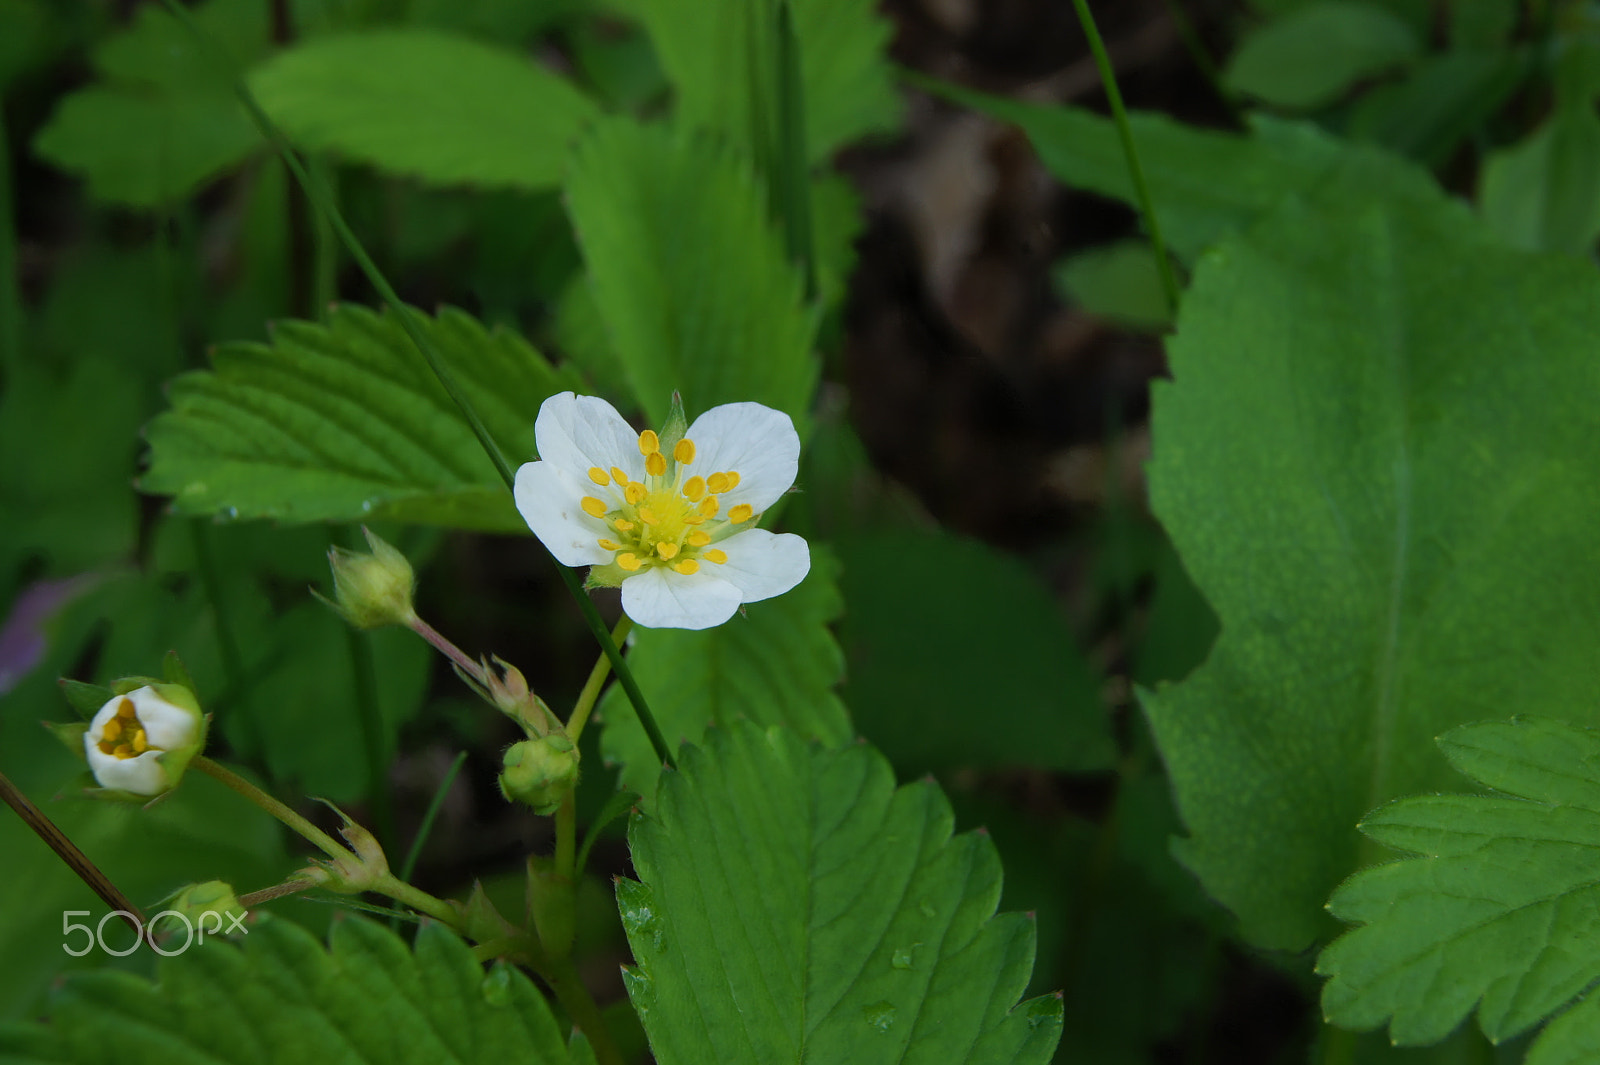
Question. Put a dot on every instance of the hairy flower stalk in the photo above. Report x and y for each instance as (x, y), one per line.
(669, 516)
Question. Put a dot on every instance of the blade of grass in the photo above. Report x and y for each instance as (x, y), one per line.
(324, 202)
(1119, 113)
(425, 827)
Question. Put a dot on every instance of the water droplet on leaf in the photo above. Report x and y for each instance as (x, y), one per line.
(880, 1015)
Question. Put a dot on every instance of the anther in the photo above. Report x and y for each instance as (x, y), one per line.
(609, 545)
(709, 506)
(655, 464)
(140, 745)
(112, 730)
(667, 549)
(593, 507)
(647, 516)
(622, 525)
(629, 561)
(733, 480)
(599, 476)
(683, 451)
(619, 475)
(742, 512)
(718, 482)
(694, 488)
(649, 443)
(634, 493)
(688, 567)
(716, 555)
(698, 539)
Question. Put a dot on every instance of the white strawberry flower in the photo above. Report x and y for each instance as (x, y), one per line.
(673, 521)
(141, 742)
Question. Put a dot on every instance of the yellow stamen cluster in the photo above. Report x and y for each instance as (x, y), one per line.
(123, 736)
(665, 520)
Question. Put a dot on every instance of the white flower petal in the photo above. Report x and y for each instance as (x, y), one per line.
(660, 598)
(756, 442)
(549, 501)
(166, 727)
(577, 433)
(762, 564)
(142, 775)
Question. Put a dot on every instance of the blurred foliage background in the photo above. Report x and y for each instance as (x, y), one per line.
(975, 462)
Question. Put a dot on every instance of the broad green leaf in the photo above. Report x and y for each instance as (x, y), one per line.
(1444, 101)
(367, 999)
(145, 150)
(1544, 192)
(1492, 908)
(1120, 282)
(960, 658)
(1314, 55)
(381, 98)
(794, 906)
(776, 665)
(1374, 461)
(345, 421)
(1205, 184)
(688, 272)
(160, 51)
(721, 60)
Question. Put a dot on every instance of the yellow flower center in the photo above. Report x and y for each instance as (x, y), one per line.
(671, 518)
(123, 736)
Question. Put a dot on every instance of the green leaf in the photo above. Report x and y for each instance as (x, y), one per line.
(792, 905)
(1544, 192)
(345, 421)
(1374, 461)
(960, 658)
(379, 98)
(1314, 55)
(1445, 100)
(721, 60)
(1120, 282)
(1204, 184)
(145, 150)
(776, 665)
(281, 996)
(688, 273)
(1492, 909)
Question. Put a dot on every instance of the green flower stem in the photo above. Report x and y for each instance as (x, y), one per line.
(442, 644)
(597, 679)
(1169, 282)
(318, 838)
(567, 836)
(562, 976)
(365, 670)
(417, 899)
(276, 891)
(319, 195)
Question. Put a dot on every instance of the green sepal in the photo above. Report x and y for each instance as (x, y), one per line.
(85, 699)
(70, 733)
(610, 575)
(673, 430)
(175, 672)
(124, 685)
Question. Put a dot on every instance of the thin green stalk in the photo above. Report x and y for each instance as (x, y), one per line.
(10, 294)
(414, 853)
(365, 670)
(314, 835)
(597, 679)
(417, 899)
(1108, 77)
(794, 172)
(407, 318)
(324, 245)
(1202, 58)
(562, 976)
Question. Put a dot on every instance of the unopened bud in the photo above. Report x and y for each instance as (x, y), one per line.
(140, 742)
(211, 906)
(540, 772)
(374, 590)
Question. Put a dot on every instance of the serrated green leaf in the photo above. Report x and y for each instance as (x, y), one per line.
(1314, 55)
(1544, 191)
(1493, 908)
(345, 421)
(688, 273)
(1204, 184)
(1374, 461)
(959, 658)
(282, 997)
(145, 149)
(776, 665)
(721, 60)
(792, 905)
(379, 98)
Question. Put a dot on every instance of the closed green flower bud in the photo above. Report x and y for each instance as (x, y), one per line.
(540, 772)
(140, 742)
(374, 590)
(211, 907)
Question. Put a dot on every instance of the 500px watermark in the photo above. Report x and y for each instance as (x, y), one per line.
(195, 931)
